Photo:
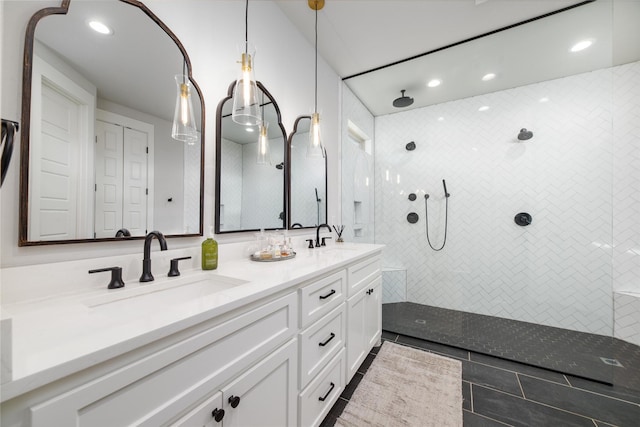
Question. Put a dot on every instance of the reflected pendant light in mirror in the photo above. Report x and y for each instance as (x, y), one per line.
(246, 109)
(314, 149)
(184, 121)
(264, 155)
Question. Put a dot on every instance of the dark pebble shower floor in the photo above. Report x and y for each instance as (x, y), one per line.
(571, 352)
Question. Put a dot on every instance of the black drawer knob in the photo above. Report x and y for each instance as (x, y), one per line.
(234, 401)
(218, 414)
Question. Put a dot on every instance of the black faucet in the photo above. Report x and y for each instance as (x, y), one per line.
(146, 262)
(318, 233)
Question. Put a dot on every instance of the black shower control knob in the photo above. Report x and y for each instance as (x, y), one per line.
(218, 414)
(523, 219)
(412, 217)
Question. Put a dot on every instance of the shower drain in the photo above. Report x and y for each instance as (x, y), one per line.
(612, 362)
(421, 322)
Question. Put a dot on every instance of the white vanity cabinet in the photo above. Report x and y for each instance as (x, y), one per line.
(333, 346)
(321, 341)
(281, 356)
(265, 396)
(151, 391)
(364, 312)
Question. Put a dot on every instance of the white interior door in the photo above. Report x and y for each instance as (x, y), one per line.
(54, 198)
(134, 206)
(109, 178)
(62, 126)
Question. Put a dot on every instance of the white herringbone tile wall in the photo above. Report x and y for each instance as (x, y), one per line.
(559, 270)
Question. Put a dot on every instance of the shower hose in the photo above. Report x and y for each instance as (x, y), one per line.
(446, 220)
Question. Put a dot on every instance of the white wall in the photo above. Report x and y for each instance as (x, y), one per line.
(210, 32)
(558, 271)
(354, 158)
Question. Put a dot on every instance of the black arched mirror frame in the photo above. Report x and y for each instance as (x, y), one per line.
(63, 9)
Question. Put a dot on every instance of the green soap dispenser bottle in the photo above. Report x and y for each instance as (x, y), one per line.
(210, 252)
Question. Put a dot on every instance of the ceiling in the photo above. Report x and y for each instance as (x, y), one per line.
(113, 63)
(356, 36)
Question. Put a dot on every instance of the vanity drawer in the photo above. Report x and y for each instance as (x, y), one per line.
(319, 298)
(154, 389)
(317, 399)
(362, 273)
(320, 342)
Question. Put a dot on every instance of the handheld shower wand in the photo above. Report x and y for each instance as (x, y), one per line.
(446, 217)
(444, 185)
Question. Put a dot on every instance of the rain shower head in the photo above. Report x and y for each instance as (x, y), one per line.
(403, 101)
(525, 134)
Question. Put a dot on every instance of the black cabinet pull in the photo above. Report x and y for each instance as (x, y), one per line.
(322, 344)
(218, 414)
(323, 398)
(328, 295)
(234, 401)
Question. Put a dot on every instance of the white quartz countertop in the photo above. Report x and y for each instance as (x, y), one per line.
(55, 337)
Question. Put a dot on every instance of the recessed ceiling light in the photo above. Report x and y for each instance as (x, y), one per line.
(545, 99)
(489, 76)
(441, 119)
(581, 45)
(249, 129)
(434, 83)
(483, 108)
(99, 27)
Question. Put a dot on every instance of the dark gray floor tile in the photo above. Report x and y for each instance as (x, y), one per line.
(334, 413)
(614, 391)
(351, 387)
(367, 362)
(435, 347)
(488, 376)
(581, 402)
(470, 419)
(389, 336)
(520, 412)
(519, 367)
(466, 396)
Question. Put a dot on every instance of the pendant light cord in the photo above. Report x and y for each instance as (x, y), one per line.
(446, 220)
(315, 105)
(246, 27)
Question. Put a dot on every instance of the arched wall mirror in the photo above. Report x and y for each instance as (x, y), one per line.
(249, 196)
(307, 180)
(97, 156)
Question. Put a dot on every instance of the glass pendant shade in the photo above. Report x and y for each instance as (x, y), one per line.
(264, 155)
(246, 108)
(184, 122)
(314, 148)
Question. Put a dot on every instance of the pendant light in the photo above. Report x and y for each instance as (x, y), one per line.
(184, 122)
(264, 155)
(246, 109)
(315, 149)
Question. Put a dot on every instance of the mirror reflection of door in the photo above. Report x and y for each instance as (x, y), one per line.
(62, 117)
(121, 174)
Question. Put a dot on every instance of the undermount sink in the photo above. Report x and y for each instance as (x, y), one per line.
(170, 289)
